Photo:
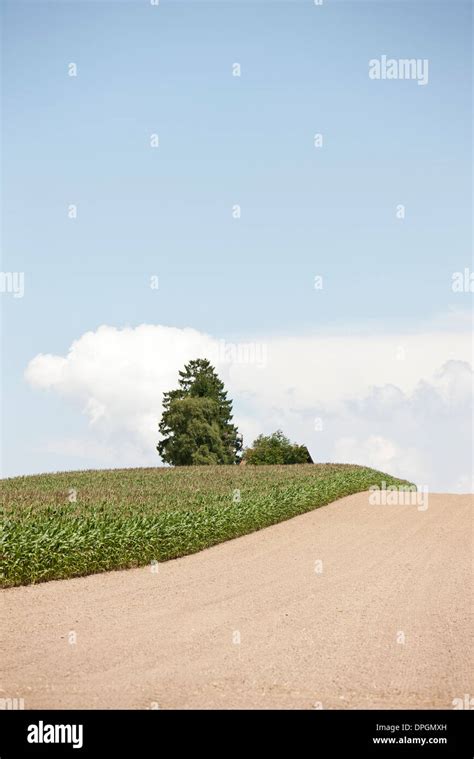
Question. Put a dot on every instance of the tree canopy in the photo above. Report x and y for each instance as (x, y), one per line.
(276, 449)
(197, 420)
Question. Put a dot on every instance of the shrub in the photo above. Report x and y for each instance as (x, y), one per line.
(276, 449)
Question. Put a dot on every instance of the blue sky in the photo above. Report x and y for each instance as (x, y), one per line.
(224, 140)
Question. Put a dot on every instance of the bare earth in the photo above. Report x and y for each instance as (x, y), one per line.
(329, 639)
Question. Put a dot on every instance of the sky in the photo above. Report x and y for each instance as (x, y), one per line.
(208, 220)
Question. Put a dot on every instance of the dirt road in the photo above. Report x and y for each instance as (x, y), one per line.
(349, 606)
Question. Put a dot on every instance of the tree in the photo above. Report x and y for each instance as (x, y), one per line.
(276, 449)
(197, 420)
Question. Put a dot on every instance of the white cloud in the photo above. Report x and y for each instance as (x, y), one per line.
(401, 403)
(425, 435)
(380, 453)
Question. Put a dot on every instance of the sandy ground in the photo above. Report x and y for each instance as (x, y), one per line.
(255, 623)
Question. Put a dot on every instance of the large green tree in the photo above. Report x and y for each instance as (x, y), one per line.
(197, 420)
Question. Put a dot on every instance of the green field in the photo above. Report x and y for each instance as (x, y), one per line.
(77, 523)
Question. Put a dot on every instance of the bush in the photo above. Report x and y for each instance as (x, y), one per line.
(276, 449)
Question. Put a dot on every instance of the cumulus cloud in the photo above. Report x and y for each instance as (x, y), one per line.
(380, 453)
(401, 403)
